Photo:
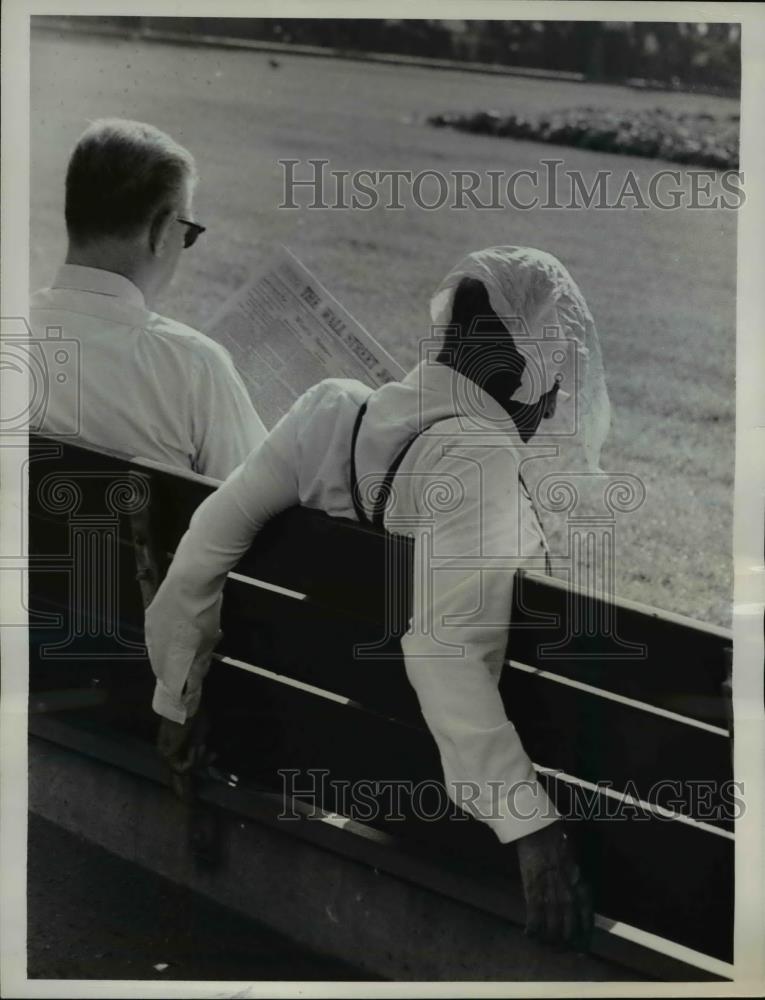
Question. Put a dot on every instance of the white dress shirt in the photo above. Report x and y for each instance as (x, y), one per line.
(136, 382)
(457, 492)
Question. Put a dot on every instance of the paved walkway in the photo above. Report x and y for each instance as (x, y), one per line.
(94, 916)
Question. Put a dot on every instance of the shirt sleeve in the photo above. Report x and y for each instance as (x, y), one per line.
(183, 620)
(465, 554)
(225, 424)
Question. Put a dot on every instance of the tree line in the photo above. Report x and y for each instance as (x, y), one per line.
(668, 54)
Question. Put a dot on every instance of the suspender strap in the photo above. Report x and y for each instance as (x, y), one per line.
(535, 512)
(386, 487)
(355, 498)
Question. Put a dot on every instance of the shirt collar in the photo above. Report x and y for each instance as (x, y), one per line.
(460, 395)
(99, 282)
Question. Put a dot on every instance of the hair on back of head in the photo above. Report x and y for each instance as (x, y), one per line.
(120, 174)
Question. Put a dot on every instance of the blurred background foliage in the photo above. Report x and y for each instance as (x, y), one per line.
(667, 54)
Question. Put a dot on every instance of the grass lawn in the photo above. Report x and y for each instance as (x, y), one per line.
(661, 285)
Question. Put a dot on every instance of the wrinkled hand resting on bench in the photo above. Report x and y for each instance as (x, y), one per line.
(558, 903)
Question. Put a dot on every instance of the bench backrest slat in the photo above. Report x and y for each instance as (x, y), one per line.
(342, 565)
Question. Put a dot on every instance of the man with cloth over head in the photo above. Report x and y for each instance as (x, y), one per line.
(456, 424)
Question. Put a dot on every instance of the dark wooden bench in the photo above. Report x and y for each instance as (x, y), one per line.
(308, 681)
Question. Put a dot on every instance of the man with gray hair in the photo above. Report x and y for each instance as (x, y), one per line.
(148, 386)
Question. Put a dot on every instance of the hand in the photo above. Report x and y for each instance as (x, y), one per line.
(183, 747)
(558, 904)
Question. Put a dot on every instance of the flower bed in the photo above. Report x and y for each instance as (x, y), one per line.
(700, 139)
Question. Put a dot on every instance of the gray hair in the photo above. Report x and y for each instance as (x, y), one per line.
(120, 174)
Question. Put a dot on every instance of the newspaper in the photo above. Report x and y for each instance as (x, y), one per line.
(285, 333)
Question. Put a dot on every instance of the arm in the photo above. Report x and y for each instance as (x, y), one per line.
(464, 569)
(226, 427)
(464, 558)
(182, 622)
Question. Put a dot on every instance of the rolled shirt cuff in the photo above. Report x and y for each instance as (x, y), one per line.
(529, 809)
(180, 658)
(175, 709)
(512, 809)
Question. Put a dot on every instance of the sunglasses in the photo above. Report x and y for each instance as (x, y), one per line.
(193, 232)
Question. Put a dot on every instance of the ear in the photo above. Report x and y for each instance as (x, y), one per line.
(159, 229)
